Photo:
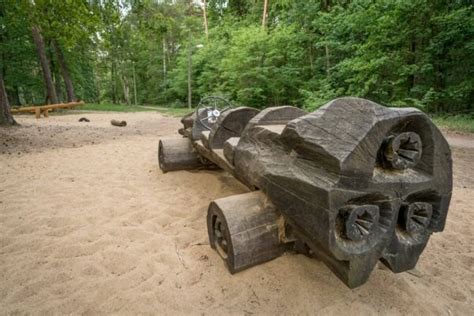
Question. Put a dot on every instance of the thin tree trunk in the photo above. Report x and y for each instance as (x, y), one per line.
(328, 61)
(204, 13)
(265, 11)
(164, 65)
(48, 79)
(190, 69)
(311, 62)
(134, 86)
(6, 117)
(126, 89)
(112, 83)
(64, 72)
(326, 7)
(57, 86)
(14, 96)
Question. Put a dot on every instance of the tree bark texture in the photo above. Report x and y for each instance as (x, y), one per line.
(48, 79)
(6, 117)
(64, 72)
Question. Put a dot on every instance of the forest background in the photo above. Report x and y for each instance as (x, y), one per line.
(256, 53)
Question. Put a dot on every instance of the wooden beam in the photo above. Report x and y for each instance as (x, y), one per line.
(41, 108)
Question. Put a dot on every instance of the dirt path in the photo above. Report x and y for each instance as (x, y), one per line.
(460, 140)
(88, 224)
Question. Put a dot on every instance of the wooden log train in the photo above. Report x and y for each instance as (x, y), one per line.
(350, 184)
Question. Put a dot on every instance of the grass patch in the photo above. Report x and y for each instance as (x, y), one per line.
(177, 112)
(459, 123)
(112, 107)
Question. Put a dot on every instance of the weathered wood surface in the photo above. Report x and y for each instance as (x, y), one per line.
(277, 115)
(197, 128)
(44, 109)
(355, 182)
(334, 179)
(216, 156)
(245, 230)
(205, 139)
(231, 123)
(179, 154)
(229, 147)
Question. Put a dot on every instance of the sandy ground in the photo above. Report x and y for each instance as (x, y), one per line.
(89, 224)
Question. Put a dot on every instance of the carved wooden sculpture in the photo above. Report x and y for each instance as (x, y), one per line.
(351, 183)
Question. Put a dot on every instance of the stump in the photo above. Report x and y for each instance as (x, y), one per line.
(245, 230)
(178, 154)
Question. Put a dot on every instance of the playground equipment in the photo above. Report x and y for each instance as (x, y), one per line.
(44, 109)
(350, 184)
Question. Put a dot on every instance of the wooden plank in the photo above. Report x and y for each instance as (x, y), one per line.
(33, 109)
(216, 156)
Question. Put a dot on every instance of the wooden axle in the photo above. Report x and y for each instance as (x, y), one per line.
(245, 230)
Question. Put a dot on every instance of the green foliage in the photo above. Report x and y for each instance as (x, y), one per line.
(110, 107)
(396, 52)
(462, 123)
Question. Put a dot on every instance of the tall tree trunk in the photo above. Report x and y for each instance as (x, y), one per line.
(311, 61)
(57, 86)
(64, 72)
(6, 117)
(134, 86)
(126, 89)
(112, 83)
(328, 61)
(14, 95)
(265, 12)
(204, 13)
(190, 70)
(326, 5)
(164, 65)
(48, 79)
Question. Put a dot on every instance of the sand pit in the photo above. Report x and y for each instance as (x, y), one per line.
(89, 224)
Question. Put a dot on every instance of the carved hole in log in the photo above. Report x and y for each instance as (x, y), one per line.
(160, 155)
(359, 221)
(363, 222)
(401, 151)
(221, 242)
(415, 217)
(421, 212)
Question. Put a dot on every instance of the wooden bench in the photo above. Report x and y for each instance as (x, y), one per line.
(44, 109)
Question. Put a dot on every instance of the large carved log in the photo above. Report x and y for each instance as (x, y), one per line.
(358, 182)
(351, 183)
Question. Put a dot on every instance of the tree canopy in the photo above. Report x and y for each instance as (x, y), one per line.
(306, 52)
